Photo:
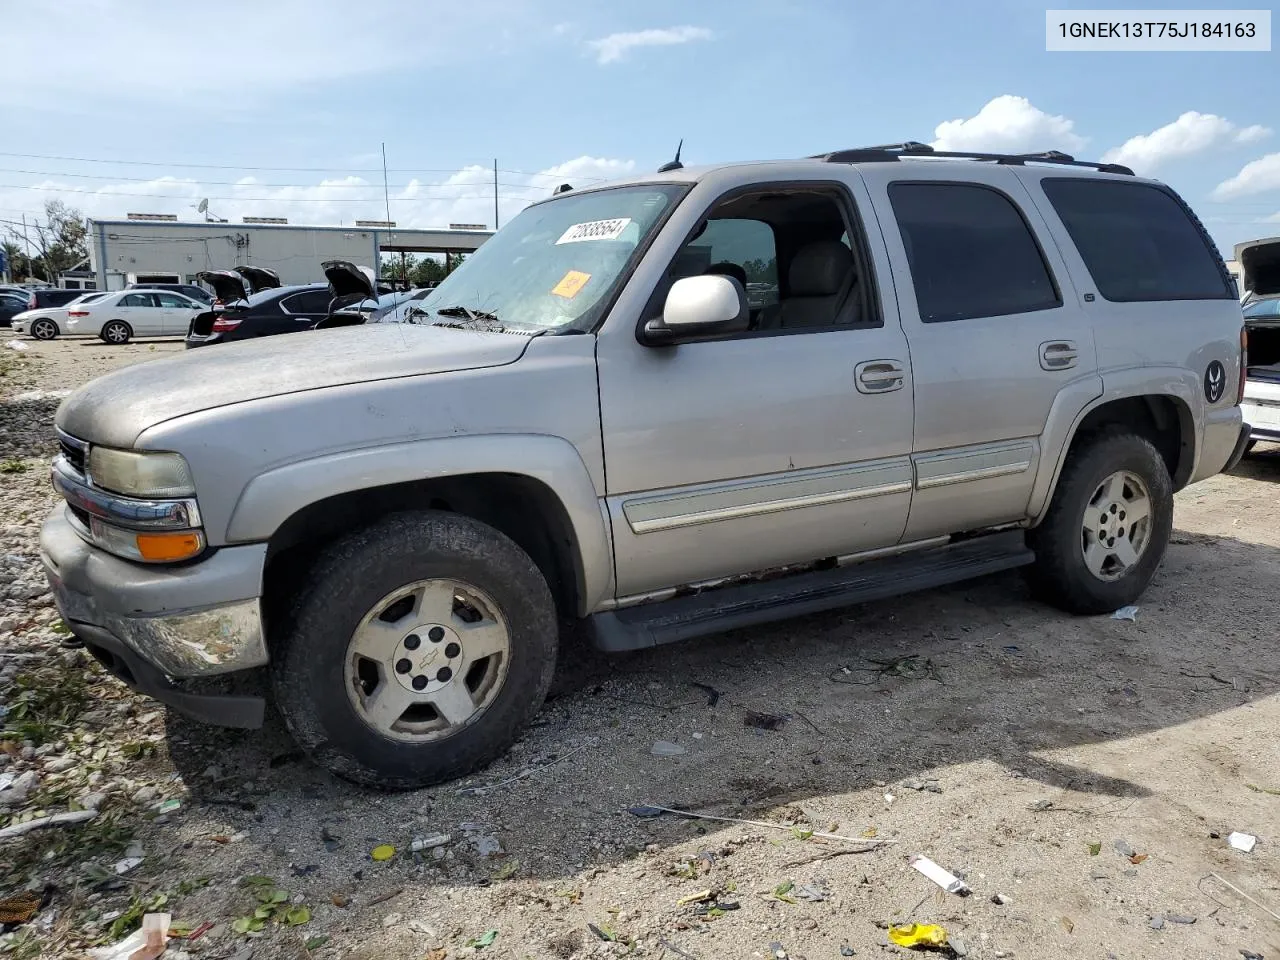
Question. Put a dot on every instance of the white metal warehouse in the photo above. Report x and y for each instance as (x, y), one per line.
(121, 251)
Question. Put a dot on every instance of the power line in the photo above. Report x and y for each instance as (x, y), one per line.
(170, 196)
(227, 166)
(237, 183)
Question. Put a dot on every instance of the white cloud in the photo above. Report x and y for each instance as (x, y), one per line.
(1256, 176)
(1253, 134)
(617, 45)
(466, 196)
(1190, 134)
(1008, 124)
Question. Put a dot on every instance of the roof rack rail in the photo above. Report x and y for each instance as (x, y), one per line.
(912, 148)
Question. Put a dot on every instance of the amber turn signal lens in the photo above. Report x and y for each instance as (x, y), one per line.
(159, 547)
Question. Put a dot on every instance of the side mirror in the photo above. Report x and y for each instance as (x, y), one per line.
(698, 306)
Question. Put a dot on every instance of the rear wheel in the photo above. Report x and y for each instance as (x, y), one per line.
(1108, 526)
(44, 329)
(115, 332)
(418, 650)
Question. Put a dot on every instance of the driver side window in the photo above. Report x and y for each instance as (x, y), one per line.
(795, 253)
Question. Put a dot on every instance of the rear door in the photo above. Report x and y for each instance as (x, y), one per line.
(304, 309)
(142, 312)
(175, 313)
(996, 335)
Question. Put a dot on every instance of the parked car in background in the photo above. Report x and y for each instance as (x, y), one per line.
(45, 323)
(10, 306)
(1260, 263)
(278, 310)
(191, 290)
(118, 317)
(52, 297)
(262, 314)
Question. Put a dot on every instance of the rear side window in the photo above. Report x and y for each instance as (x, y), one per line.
(970, 251)
(137, 300)
(1138, 241)
(310, 301)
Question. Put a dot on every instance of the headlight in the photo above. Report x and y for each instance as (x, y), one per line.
(138, 474)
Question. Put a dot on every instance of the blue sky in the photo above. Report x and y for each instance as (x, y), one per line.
(564, 91)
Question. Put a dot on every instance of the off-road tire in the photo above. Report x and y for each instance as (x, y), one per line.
(1059, 574)
(347, 580)
(116, 325)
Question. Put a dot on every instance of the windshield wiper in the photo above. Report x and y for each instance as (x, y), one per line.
(481, 318)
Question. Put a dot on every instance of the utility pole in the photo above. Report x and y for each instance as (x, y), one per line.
(27, 242)
(386, 196)
(495, 193)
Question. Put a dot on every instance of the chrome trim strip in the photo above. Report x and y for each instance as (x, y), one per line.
(762, 495)
(119, 511)
(71, 441)
(942, 469)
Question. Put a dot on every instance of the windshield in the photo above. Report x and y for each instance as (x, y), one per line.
(553, 265)
(1263, 310)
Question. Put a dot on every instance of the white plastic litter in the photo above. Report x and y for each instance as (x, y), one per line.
(19, 346)
(1242, 841)
(947, 880)
(145, 943)
(665, 748)
(1125, 613)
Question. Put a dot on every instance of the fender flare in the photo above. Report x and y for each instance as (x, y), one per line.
(1074, 403)
(273, 497)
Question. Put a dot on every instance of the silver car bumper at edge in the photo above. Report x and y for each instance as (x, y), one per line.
(188, 621)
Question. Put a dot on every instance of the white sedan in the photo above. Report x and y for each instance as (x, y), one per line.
(124, 314)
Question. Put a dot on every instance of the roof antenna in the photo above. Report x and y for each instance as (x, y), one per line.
(673, 164)
(563, 188)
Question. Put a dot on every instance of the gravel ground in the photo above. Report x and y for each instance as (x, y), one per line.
(1003, 740)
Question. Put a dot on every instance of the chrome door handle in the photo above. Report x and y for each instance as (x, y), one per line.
(878, 376)
(1058, 355)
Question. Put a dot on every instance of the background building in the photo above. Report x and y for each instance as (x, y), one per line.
(166, 250)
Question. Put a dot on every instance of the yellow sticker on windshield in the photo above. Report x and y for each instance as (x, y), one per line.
(571, 284)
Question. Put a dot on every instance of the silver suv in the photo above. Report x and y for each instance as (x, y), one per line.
(950, 365)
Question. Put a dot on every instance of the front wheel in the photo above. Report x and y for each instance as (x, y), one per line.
(1107, 527)
(418, 650)
(43, 329)
(115, 332)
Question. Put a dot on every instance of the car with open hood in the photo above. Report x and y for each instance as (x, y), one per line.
(973, 363)
(266, 309)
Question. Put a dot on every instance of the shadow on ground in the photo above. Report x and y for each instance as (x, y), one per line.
(995, 677)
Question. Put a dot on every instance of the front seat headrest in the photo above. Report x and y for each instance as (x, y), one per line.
(820, 269)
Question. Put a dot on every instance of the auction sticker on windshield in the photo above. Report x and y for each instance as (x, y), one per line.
(571, 284)
(595, 230)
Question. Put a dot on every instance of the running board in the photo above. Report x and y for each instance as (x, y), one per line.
(756, 602)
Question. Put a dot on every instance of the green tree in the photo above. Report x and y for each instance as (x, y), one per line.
(762, 271)
(61, 241)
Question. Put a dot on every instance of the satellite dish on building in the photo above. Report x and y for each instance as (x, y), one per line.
(203, 206)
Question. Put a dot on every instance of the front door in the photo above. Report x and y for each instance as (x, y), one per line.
(175, 314)
(785, 444)
(997, 337)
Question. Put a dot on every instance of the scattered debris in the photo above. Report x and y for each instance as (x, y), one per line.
(484, 844)
(1156, 923)
(484, 940)
(1095, 848)
(54, 820)
(427, 843)
(958, 947)
(1236, 890)
(1126, 613)
(698, 897)
(1040, 805)
(931, 785)
(384, 851)
(1257, 789)
(1067, 923)
(943, 878)
(169, 806)
(713, 695)
(19, 346)
(818, 834)
(1242, 841)
(145, 943)
(528, 771)
(847, 951)
(1001, 900)
(783, 892)
(680, 953)
(764, 721)
(127, 864)
(665, 748)
(1123, 848)
(778, 951)
(888, 799)
(20, 907)
(1138, 858)
(1250, 955)
(918, 935)
(1179, 918)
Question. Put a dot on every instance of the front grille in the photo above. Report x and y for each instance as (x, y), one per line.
(73, 453)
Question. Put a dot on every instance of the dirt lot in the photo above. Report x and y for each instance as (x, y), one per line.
(1001, 739)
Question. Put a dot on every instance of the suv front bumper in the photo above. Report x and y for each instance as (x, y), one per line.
(150, 625)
